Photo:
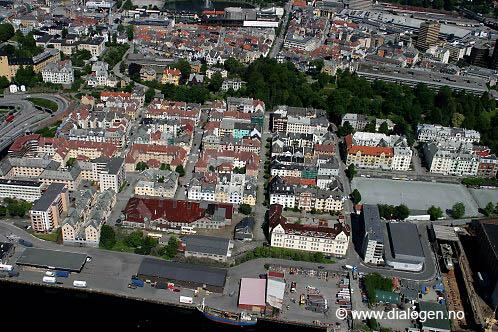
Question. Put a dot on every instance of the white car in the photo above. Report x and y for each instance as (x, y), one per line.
(50, 274)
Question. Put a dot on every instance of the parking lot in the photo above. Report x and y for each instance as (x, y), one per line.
(484, 196)
(416, 195)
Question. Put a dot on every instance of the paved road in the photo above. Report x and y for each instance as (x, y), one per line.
(27, 117)
(279, 40)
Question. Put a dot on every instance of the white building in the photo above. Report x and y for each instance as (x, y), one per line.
(28, 190)
(451, 158)
(234, 84)
(59, 73)
(437, 133)
(315, 237)
(109, 172)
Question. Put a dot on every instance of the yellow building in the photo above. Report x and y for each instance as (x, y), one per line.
(171, 76)
(9, 66)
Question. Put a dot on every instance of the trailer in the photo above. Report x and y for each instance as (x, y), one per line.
(186, 300)
(79, 283)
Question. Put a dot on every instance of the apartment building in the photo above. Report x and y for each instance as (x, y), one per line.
(9, 66)
(84, 222)
(21, 189)
(374, 150)
(48, 211)
(171, 76)
(109, 172)
(373, 238)
(451, 158)
(59, 73)
(157, 183)
(316, 236)
(437, 133)
(95, 46)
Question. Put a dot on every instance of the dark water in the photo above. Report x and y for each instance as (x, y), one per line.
(200, 5)
(23, 306)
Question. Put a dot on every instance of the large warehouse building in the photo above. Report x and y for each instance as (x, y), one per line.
(252, 294)
(405, 250)
(185, 275)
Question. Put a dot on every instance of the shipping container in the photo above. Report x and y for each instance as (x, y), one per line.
(49, 280)
(275, 274)
(79, 283)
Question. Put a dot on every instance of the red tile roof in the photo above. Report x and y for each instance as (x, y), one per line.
(175, 211)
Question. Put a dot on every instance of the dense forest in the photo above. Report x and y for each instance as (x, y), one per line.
(283, 84)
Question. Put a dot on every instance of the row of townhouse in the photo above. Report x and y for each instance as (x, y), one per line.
(378, 151)
(307, 198)
(454, 151)
(154, 156)
(84, 222)
(107, 172)
(174, 110)
(440, 134)
(222, 188)
(96, 46)
(316, 236)
(299, 120)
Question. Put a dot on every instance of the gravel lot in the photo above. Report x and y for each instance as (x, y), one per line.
(414, 194)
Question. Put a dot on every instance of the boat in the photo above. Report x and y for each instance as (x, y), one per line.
(227, 317)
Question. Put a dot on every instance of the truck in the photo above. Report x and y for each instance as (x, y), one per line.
(79, 283)
(186, 299)
(49, 280)
(137, 282)
(61, 274)
(25, 243)
(5, 267)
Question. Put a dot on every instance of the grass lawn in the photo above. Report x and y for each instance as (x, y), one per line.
(47, 236)
(44, 103)
(49, 131)
(121, 246)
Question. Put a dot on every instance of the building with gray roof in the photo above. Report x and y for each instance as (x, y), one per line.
(211, 247)
(373, 238)
(244, 229)
(186, 275)
(404, 251)
(48, 210)
(54, 259)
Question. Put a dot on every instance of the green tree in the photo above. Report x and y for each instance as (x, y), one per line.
(457, 119)
(107, 237)
(489, 209)
(370, 127)
(215, 82)
(383, 128)
(171, 249)
(141, 166)
(351, 172)
(245, 209)
(401, 212)
(134, 239)
(165, 167)
(345, 129)
(6, 32)
(149, 95)
(180, 170)
(355, 196)
(458, 210)
(128, 5)
(26, 76)
(130, 31)
(4, 82)
(435, 212)
(184, 67)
